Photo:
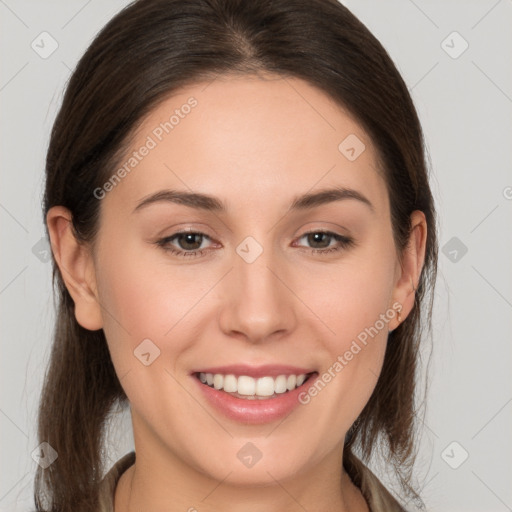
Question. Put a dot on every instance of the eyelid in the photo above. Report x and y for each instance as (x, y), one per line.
(343, 241)
(162, 241)
(193, 227)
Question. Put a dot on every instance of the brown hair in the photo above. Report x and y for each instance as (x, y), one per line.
(147, 51)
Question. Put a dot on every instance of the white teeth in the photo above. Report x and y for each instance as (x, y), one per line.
(250, 387)
(230, 383)
(280, 384)
(265, 386)
(246, 385)
(300, 380)
(218, 381)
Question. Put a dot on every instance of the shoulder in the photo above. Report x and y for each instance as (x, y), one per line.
(379, 499)
(109, 482)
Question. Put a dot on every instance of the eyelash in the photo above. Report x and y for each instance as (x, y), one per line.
(344, 242)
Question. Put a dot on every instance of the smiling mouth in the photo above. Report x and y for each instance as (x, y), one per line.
(249, 388)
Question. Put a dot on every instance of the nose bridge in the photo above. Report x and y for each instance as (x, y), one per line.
(260, 304)
(257, 280)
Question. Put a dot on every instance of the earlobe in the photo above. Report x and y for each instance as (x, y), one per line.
(411, 265)
(76, 267)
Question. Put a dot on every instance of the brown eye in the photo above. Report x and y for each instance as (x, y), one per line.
(321, 238)
(189, 241)
(320, 241)
(185, 243)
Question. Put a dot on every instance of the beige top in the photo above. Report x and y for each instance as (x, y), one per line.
(377, 496)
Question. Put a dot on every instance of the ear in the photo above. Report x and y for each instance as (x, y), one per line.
(409, 269)
(75, 263)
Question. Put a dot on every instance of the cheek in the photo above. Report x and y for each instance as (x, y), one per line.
(350, 296)
(143, 297)
(135, 295)
(357, 308)
(144, 308)
(135, 303)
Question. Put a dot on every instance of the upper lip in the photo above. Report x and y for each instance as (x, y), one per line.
(273, 370)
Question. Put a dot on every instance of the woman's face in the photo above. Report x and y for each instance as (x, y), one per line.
(257, 289)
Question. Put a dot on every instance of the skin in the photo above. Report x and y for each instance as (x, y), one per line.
(256, 143)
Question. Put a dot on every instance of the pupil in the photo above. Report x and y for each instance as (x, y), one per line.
(316, 235)
(189, 236)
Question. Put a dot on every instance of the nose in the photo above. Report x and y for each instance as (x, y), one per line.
(258, 302)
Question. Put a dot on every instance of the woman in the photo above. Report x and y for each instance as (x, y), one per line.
(244, 238)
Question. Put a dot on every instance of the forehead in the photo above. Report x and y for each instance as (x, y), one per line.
(249, 139)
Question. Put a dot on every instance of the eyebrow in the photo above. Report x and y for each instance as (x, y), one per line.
(210, 203)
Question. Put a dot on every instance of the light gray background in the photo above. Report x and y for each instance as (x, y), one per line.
(465, 105)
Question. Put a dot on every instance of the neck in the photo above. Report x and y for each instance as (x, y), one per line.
(144, 487)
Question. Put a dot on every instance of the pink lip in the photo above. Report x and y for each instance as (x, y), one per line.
(254, 411)
(273, 370)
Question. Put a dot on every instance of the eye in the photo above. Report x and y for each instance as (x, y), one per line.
(189, 241)
(323, 239)
(188, 244)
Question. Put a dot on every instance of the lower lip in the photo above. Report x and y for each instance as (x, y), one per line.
(254, 411)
